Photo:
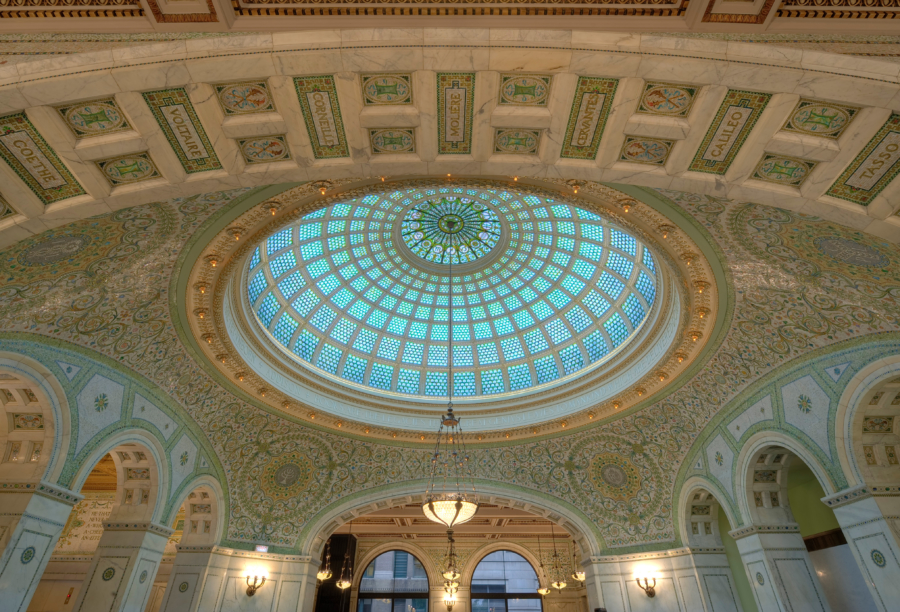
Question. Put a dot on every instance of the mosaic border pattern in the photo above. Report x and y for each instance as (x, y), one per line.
(128, 169)
(516, 141)
(682, 110)
(783, 170)
(722, 152)
(885, 143)
(649, 151)
(91, 118)
(324, 126)
(191, 145)
(455, 82)
(6, 209)
(233, 109)
(263, 147)
(392, 141)
(539, 94)
(374, 96)
(62, 185)
(584, 143)
(806, 103)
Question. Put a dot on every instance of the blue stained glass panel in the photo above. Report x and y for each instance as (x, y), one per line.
(546, 369)
(463, 384)
(254, 261)
(306, 345)
(462, 356)
(435, 383)
(280, 240)
(620, 264)
(365, 341)
(389, 348)
(305, 303)
(412, 353)
(329, 358)
(492, 382)
(519, 377)
(291, 285)
(616, 329)
(437, 355)
(633, 310)
(595, 345)
(284, 329)
(355, 369)
(267, 309)
(256, 286)
(646, 287)
(381, 376)
(512, 349)
(571, 358)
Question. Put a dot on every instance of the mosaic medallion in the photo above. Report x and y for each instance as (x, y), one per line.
(783, 170)
(264, 149)
(804, 404)
(521, 142)
(184, 458)
(108, 574)
(760, 579)
(820, 118)
(286, 474)
(851, 252)
(27, 555)
(873, 169)
(392, 141)
(143, 577)
(450, 230)
(878, 424)
(245, 98)
(525, 89)
(101, 402)
(878, 558)
(646, 150)
(615, 476)
(28, 422)
(667, 99)
(387, 89)
(128, 169)
(182, 587)
(94, 118)
(53, 250)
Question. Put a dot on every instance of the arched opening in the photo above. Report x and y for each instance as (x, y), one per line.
(504, 581)
(876, 434)
(27, 428)
(394, 580)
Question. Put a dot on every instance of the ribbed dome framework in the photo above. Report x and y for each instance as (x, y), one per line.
(544, 290)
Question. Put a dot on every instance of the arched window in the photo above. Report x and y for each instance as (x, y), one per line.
(394, 582)
(505, 582)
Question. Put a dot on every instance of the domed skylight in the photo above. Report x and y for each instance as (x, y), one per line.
(356, 292)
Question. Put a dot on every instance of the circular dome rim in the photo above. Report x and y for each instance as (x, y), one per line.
(420, 404)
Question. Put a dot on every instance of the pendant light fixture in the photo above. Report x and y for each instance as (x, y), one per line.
(559, 582)
(346, 579)
(577, 574)
(446, 502)
(324, 572)
(542, 590)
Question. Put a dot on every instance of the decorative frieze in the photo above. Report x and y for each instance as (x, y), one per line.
(873, 168)
(26, 152)
(739, 112)
(322, 115)
(456, 101)
(587, 118)
(176, 117)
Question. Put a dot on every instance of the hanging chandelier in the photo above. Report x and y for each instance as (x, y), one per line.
(542, 590)
(559, 582)
(324, 572)
(577, 574)
(446, 502)
(346, 579)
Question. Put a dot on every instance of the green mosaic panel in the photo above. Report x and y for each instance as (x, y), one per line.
(669, 99)
(26, 151)
(590, 110)
(739, 112)
(517, 141)
(322, 114)
(244, 98)
(94, 118)
(127, 169)
(525, 89)
(387, 89)
(873, 168)
(783, 170)
(456, 101)
(6, 209)
(393, 141)
(176, 116)
(823, 119)
(639, 150)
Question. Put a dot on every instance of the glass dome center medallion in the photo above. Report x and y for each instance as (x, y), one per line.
(450, 230)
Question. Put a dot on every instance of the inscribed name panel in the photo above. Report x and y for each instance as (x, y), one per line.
(94, 118)
(127, 169)
(739, 112)
(26, 152)
(387, 89)
(6, 210)
(322, 114)
(456, 101)
(244, 98)
(873, 168)
(587, 118)
(179, 122)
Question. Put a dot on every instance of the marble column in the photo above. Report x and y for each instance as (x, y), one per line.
(198, 575)
(870, 520)
(120, 576)
(32, 517)
(779, 569)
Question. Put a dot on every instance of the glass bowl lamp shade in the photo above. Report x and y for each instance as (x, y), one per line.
(578, 576)
(343, 583)
(449, 509)
(543, 591)
(324, 573)
(559, 585)
(451, 573)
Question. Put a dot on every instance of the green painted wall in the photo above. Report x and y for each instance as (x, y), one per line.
(737, 567)
(805, 495)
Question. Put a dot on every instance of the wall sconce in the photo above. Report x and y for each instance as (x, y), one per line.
(258, 581)
(649, 589)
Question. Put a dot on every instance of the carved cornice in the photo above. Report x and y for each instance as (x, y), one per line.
(43, 489)
(138, 526)
(743, 532)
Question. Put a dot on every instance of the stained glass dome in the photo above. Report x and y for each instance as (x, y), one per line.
(358, 292)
